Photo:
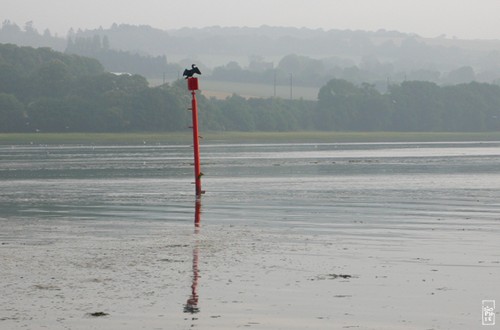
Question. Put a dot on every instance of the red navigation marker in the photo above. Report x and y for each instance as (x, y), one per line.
(193, 87)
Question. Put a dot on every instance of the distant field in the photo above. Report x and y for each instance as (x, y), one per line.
(95, 138)
(236, 137)
(223, 89)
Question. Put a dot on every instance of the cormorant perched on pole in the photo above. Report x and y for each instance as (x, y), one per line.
(190, 72)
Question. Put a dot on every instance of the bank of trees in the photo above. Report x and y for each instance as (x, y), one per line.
(236, 113)
(409, 106)
(43, 90)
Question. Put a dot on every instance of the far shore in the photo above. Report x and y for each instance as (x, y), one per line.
(166, 138)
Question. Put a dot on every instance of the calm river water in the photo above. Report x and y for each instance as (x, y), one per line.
(292, 236)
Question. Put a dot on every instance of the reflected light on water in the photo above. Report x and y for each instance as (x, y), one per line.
(191, 305)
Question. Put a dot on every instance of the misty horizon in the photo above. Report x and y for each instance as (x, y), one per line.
(465, 20)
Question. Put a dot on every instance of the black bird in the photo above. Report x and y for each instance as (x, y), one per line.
(190, 72)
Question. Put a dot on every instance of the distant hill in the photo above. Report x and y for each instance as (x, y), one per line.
(384, 55)
(11, 33)
(249, 55)
(270, 41)
(121, 61)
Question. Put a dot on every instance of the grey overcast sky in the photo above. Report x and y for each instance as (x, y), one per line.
(467, 19)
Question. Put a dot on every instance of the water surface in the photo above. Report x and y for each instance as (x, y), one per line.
(412, 228)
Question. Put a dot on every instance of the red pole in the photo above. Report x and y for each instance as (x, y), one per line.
(193, 86)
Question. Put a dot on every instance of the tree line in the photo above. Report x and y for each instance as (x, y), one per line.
(48, 91)
(28, 35)
(307, 71)
(44, 90)
(121, 61)
(418, 106)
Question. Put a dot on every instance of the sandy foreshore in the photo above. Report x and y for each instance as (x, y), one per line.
(111, 275)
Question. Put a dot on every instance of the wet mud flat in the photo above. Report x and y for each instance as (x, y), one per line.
(291, 237)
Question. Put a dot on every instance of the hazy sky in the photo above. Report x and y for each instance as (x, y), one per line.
(429, 18)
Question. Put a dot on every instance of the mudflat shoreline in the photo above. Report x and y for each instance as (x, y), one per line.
(293, 236)
(107, 274)
(151, 138)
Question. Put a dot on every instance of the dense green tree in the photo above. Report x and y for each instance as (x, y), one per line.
(236, 114)
(12, 117)
(155, 109)
(337, 105)
(11, 81)
(50, 115)
(418, 106)
(26, 60)
(51, 79)
(471, 107)
(373, 110)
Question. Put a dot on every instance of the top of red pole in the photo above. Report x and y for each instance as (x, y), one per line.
(192, 84)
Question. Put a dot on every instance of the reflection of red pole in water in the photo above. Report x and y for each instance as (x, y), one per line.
(193, 87)
(192, 303)
(197, 213)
